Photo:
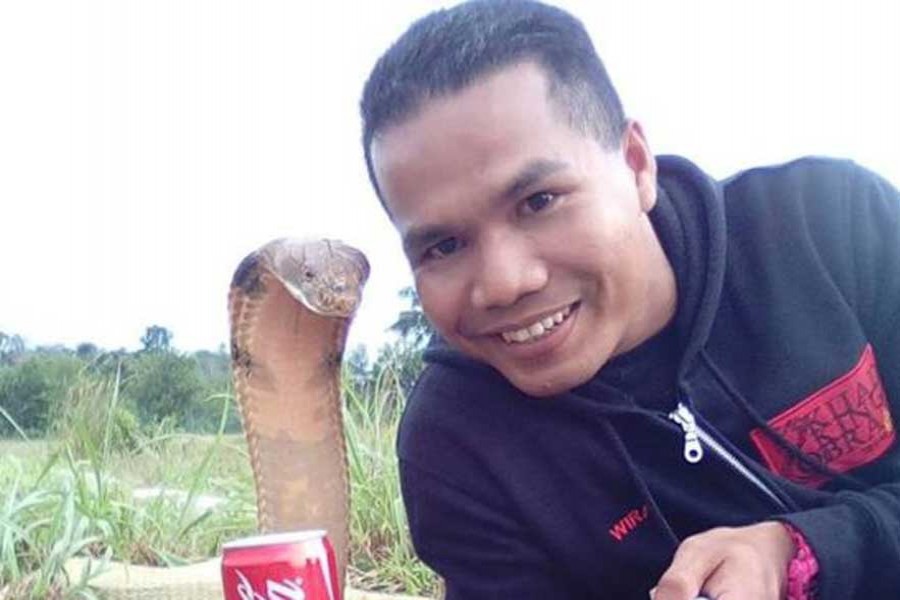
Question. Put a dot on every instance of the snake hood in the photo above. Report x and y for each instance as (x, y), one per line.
(326, 276)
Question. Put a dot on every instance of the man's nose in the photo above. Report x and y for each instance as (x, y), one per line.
(508, 268)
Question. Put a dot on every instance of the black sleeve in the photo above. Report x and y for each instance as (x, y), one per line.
(857, 540)
(875, 215)
(474, 544)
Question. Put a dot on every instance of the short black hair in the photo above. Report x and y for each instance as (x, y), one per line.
(448, 49)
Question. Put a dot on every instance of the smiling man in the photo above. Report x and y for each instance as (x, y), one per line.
(533, 250)
(644, 379)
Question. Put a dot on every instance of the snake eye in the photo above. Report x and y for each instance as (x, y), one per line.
(308, 275)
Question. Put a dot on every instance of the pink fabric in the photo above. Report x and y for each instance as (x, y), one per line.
(802, 570)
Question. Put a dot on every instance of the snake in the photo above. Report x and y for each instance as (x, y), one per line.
(290, 305)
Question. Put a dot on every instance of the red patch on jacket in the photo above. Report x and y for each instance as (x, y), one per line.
(844, 425)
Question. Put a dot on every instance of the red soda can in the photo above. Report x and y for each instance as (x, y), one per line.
(296, 565)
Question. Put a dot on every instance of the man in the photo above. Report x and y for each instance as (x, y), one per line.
(644, 379)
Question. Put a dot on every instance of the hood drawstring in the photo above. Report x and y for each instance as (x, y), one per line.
(639, 481)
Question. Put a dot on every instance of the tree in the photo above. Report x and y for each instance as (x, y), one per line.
(163, 384)
(401, 361)
(356, 368)
(87, 351)
(156, 339)
(109, 363)
(53, 350)
(214, 366)
(412, 325)
(12, 349)
(33, 391)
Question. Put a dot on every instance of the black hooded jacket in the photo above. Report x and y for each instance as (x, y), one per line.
(785, 350)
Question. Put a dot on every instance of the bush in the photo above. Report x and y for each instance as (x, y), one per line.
(161, 385)
(95, 420)
(33, 391)
(204, 415)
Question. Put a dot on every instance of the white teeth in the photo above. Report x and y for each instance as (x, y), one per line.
(536, 330)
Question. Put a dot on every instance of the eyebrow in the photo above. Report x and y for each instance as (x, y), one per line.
(531, 174)
(420, 237)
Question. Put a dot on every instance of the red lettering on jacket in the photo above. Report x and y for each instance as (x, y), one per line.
(844, 425)
(629, 523)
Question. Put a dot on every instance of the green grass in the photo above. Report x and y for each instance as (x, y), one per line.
(70, 495)
(382, 556)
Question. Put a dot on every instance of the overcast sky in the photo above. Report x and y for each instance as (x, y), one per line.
(146, 147)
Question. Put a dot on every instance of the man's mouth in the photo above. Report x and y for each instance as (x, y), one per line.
(538, 329)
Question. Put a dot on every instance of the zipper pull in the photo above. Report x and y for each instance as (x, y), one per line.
(693, 451)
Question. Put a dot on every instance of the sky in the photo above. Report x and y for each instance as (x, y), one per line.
(146, 147)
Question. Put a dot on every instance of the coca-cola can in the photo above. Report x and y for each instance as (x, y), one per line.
(296, 565)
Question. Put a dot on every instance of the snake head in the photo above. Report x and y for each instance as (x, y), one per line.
(326, 276)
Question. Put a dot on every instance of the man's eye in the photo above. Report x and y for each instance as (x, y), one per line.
(538, 202)
(443, 248)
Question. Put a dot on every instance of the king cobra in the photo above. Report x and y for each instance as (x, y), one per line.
(290, 307)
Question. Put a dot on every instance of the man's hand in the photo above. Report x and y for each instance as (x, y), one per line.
(744, 563)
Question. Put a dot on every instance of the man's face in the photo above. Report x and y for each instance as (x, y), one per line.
(530, 244)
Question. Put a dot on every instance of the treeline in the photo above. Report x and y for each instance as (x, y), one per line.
(397, 364)
(154, 387)
(45, 390)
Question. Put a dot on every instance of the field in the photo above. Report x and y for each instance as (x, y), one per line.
(74, 495)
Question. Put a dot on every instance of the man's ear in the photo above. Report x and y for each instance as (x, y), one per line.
(641, 162)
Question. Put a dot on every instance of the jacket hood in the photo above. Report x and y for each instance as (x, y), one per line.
(689, 218)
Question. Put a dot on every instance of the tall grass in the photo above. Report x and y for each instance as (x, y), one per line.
(41, 530)
(76, 499)
(71, 495)
(382, 556)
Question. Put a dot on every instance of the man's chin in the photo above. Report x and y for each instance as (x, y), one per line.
(538, 379)
(543, 385)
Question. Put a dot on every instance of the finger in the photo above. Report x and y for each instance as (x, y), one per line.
(691, 566)
(719, 586)
(727, 582)
(653, 596)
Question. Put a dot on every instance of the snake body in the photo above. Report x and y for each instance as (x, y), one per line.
(290, 306)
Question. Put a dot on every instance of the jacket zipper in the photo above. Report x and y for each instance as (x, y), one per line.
(694, 434)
